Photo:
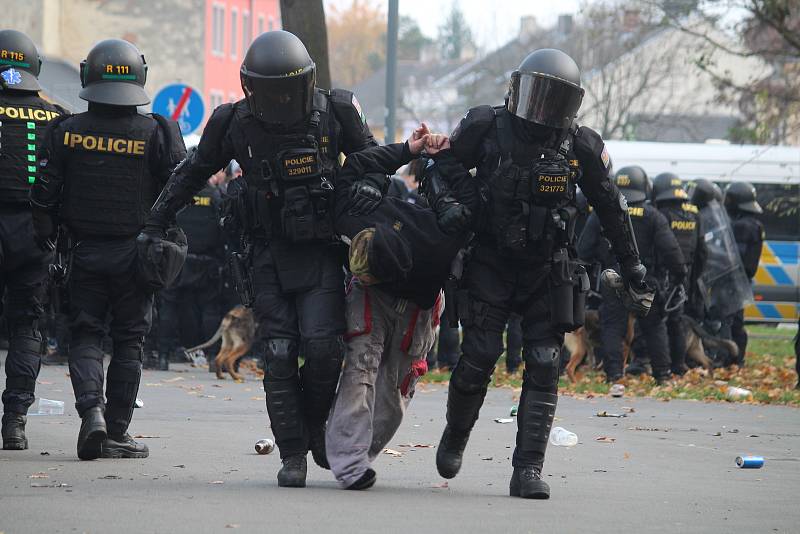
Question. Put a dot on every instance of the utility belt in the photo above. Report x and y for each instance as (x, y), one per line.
(292, 198)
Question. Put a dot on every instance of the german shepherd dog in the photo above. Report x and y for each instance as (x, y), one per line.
(582, 342)
(237, 330)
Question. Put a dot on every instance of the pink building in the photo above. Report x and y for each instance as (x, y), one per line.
(230, 27)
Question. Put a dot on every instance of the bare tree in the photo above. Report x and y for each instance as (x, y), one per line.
(306, 19)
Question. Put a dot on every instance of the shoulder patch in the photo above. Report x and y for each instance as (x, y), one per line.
(356, 105)
(605, 158)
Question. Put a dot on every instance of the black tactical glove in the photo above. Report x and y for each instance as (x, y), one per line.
(636, 295)
(44, 230)
(453, 218)
(364, 199)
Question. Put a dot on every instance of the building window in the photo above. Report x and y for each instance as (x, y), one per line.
(218, 29)
(234, 33)
(215, 98)
(271, 23)
(247, 31)
(260, 25)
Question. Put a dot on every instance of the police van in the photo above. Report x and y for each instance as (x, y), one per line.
(775, 173)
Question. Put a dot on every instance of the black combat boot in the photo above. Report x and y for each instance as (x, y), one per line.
(293, 472)
(366, 481)
(14, 432)
(526, 482)
(316, 442)
(92, 435)
(163, 361)
(534, 419)
(124, 446)
(462, 412)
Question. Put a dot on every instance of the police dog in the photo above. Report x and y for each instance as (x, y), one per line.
(582, 342)
(237, 330)
(698, 339)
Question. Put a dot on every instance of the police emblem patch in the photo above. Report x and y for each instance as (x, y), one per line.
(606, 159)
(11, 76)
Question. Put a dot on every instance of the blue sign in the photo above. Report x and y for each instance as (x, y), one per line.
(181, 103)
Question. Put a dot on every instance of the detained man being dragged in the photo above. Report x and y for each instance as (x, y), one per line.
(400, 256)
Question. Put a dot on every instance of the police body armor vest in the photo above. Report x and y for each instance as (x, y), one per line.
(23, 117)
(529, 186)
(683, 221)
(200, 221)
(289, 176)
(108, 185)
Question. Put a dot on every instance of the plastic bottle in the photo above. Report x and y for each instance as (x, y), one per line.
(736, 393)
(561, 437)
(50, 407)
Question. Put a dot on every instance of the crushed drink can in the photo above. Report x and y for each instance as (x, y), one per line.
(750, 462)
(265, 446)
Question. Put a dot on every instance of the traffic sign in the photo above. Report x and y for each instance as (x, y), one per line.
(181, 103)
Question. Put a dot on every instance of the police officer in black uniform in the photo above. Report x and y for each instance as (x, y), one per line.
(101, 171)
(196, 292)
(659, 250)
(23, 264)
(683, 217)
(287, 136)
(529, 156)
(742, 207)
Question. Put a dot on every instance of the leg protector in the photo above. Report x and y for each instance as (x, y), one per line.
(86, 374)
(124, 373)
(320, 375)
(284, 397)
(537, 405)
(23, 362)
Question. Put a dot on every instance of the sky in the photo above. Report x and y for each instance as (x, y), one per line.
(493, 22)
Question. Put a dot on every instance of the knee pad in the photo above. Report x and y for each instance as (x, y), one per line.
(541, 367)
(324, 355)
(280, 358)
(469, 378)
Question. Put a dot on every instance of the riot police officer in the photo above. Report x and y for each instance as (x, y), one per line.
(287, 135)
(196, 292)
(101, 172)
(660, 252)
(742, 207)
(529, 156)
(23, 264)
(672, 201)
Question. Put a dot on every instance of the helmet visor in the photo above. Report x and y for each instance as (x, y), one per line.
(543, 100)
(284, 100)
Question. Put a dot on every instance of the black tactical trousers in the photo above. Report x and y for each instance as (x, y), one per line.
(190, 310)
(514, 343)
(493, 287)
(447, 349)
(739, 335)
(614, 324)
(102, 284)
(23, 273)
(300, 312)
(676, 334)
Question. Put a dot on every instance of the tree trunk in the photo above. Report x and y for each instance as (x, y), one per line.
(306, 19)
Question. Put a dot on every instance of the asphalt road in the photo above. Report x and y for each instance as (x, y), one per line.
(666, 471)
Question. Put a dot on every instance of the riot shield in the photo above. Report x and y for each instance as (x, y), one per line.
(727, 288)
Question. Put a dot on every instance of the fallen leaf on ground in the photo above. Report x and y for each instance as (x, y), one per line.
(228, 398)
(44, 382)
(607, 414)
(216, 385)
(488, 459)
(628, 409)
(180, 465)
(154, 385)
(110, 477)
(605, 439)
(217, 482)
(392, 452)
(53, 485)
(39, 475)
(232, 525)
(44, 453)
(600, 471)
(626, 456)
(648, 429)
(175, 379)
(443, 485)
(416, 445)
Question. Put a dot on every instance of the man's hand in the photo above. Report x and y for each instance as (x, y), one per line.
(364, 198)
(453, 218)
(44, 230)
(435, 143)
(416, 142)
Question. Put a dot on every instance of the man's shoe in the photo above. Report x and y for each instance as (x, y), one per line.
(635, 369)
(526, 482)
(14, 432)
(92, 435)
(293, 472)
(316, 442)
(450, 452)
(366, 481)
(680, 370)
(124, 446)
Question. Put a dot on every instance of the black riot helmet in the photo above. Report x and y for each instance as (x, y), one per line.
(702, 192)
(668, 186)
(632, 182)
(546, 89)
(20, 62)
(114, 73)
(741, 196)
(278, 78)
